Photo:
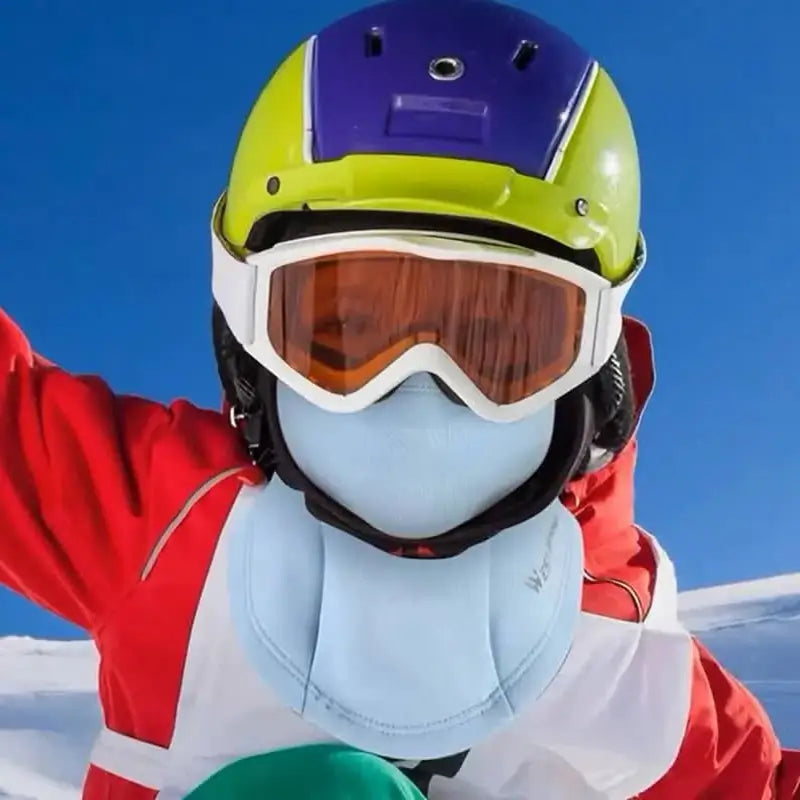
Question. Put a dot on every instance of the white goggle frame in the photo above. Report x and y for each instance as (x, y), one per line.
(241, 289)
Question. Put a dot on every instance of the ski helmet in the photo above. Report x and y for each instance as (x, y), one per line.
(406, 136)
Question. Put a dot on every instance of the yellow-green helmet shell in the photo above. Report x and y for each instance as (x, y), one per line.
(589, 198)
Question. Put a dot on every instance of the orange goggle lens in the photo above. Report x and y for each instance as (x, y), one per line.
(340, 320)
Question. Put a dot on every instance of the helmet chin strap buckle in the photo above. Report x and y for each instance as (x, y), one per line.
(250, 425)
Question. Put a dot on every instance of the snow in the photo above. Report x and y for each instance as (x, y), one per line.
(49, 712)
(49, 715)
(753, 628)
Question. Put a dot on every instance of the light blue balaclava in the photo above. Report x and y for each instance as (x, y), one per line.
(415, 464)
(407, 658)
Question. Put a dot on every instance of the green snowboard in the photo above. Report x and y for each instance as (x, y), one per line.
(312, 772)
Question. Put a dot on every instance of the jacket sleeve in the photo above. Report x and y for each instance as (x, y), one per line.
(87, 479)
(729, 751)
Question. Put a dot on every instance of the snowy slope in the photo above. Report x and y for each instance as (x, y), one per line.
(48, 717)
(49, 712)
(754, 630)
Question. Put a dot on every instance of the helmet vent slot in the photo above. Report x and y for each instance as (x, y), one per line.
(373, 43)
(524, 54)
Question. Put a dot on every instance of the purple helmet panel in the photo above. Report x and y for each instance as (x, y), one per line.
(372, 91)
(417, 116)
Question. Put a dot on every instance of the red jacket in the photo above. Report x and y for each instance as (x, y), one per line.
(86, 479)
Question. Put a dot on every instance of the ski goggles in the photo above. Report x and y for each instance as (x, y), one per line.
(344, 318)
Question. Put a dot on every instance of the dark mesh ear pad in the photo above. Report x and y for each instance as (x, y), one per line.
(612, 396)
(238, 372)
(226, 350)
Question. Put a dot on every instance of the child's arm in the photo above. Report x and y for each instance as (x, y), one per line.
(88, 480)
(729, 751)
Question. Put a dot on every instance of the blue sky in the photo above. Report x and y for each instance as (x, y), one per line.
(117, 123)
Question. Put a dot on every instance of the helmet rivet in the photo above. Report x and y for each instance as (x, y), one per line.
(582, 206)
(274, 184)
(446, 69)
